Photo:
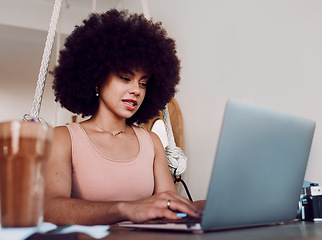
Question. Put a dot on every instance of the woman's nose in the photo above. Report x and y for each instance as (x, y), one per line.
(135, 89)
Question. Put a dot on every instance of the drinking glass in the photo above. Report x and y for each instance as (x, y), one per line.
(24, 149)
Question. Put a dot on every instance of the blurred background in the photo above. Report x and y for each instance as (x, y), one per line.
(267, 53)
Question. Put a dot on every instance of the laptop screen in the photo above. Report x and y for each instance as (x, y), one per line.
(259, 167)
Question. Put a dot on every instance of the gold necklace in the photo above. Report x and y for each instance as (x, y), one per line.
(113, 134)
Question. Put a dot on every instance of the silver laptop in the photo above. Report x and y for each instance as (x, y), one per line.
(258, 172)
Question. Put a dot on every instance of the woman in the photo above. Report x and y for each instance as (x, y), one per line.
(120, 70)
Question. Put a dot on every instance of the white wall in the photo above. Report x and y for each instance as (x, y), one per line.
(36, 14)
(267, 53)
(23, 31)
(19, 75)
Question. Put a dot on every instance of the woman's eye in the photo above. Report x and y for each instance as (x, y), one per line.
(143, 84)
(125, 78)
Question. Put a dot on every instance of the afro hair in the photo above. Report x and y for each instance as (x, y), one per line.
(116, 41)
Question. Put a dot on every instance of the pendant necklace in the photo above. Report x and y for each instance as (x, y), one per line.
(113, 134)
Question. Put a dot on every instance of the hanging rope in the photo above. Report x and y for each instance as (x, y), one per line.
(94, 6)
(177, 161)
(145, 8)
(34, 115)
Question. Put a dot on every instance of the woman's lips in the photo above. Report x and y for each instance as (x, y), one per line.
(130, 104)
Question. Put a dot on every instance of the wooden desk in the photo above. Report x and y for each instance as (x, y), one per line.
(296, 230)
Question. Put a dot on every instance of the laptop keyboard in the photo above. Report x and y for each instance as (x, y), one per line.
(185, 220)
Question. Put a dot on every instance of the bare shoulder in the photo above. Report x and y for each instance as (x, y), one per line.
(155, 138)
(61, 131)
(61, 136)
(156, 141)
(61, 145)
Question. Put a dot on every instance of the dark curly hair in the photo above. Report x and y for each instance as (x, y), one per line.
(116, 41)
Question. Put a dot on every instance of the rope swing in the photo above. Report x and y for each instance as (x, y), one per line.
(36, 105)
(177, 161)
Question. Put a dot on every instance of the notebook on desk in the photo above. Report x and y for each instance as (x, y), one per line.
(258, 172)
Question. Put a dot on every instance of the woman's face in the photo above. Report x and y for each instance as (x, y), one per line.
(123, 93)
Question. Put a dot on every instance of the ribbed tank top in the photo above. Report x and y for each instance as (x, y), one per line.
(99, 178)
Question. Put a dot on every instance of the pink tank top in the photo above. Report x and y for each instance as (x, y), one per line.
(98, 178)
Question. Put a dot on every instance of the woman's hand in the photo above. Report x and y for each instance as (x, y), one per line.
(200, 205)
(161, 205)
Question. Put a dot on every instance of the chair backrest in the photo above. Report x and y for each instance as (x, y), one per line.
(175, 119)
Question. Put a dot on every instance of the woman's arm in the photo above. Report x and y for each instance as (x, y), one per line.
(162, 176)
(60, 208)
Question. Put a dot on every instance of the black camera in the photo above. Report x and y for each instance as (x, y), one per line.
(311, 203)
